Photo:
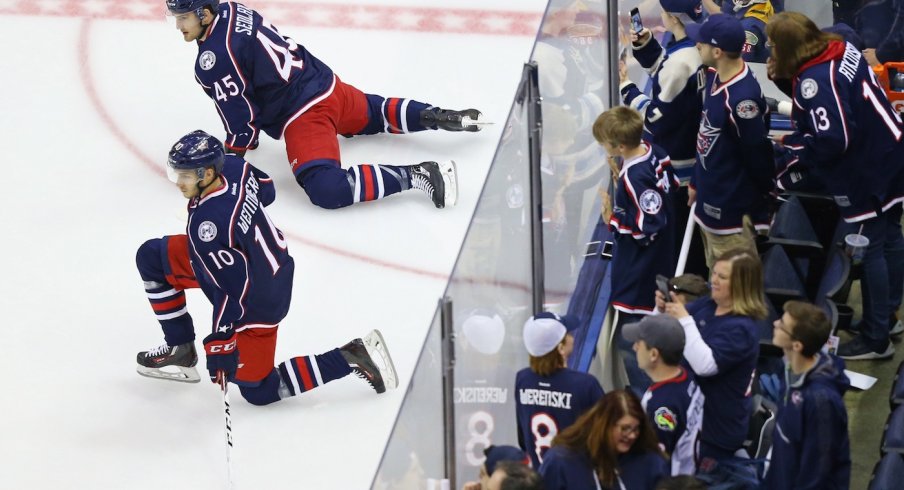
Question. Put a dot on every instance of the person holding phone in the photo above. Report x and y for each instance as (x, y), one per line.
(642, 223)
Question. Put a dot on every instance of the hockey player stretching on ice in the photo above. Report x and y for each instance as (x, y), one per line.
(261, 80)
(236, 255)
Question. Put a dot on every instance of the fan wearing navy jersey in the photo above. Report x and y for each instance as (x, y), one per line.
(810, 448)
(734, 172)
(677, 79)
(642, 222)
(721, 348)
(262, 80)
(240, 260)
(849, 141)
(550, 397)
(674, 402)
(610, 447)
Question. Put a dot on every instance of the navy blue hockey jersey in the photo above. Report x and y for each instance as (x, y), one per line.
(846, 133)
(241, 260)
(734, 171)
(735, 346)
(643, 225)
(545, 405)
(258, 78)
(677, 77)
(754, 19)
(675, 406)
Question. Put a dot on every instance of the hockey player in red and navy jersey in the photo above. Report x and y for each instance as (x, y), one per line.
(240, 260)
(261, 80)
(734, 172)
(848, 142)
(642, 222)
(810, 446)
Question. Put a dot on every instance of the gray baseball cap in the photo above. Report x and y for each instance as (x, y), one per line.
(660, 331)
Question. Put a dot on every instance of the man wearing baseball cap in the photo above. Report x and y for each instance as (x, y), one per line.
(733, 175)
(674, 402)
(549, 396)
(494, 456)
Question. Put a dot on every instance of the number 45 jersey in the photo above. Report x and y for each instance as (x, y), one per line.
(241, 260)
(258, 79)
(546, 405)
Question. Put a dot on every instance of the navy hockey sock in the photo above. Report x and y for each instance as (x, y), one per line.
(167, 302)
(394, 115)
(305, 373)
(372, 182)
(331, 187)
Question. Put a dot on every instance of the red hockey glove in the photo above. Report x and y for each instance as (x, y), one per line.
(222, 354)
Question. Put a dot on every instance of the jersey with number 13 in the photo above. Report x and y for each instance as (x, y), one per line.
(241, 260)
(259, 79)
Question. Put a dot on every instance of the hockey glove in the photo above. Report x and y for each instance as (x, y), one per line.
(222, 355)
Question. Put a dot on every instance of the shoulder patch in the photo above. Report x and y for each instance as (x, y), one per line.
(808, 88)
(665, 419)
(207, 231)
(207, 60)
(650, 201)
(747, 109)
(751, 38)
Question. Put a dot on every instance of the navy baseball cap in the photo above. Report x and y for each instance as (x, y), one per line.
(693, 9)
(720, 30)
(495, 454)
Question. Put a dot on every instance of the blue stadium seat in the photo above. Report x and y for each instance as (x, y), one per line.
(888, 472)
(781, 280)
(791, 224)
(836, 277)
(893, 437)
(897, 388)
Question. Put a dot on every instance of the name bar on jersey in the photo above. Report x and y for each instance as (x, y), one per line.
(483, 394)
(554, 399)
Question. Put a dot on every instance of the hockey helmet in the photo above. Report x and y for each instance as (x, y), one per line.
(192, 154)
(177, 7)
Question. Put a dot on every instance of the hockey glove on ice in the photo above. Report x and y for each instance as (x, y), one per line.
(222, 354)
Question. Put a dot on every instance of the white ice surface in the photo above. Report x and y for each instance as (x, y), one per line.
(90, 108)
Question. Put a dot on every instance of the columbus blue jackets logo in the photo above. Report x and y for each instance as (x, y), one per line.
(808, 88)
(706, 139)
(650, 201)
(747, 109)
(207, 231)
(207, 60)
(665, 419)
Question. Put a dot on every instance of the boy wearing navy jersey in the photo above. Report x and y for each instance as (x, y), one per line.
(262, 80)
(674, 402)
(642, 222)
(549, 396)
(733, 175)
(234, 253)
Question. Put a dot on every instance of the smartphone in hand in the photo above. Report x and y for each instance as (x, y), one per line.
(636, 23)
(662, 284)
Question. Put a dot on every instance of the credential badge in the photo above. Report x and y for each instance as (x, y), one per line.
(207, 231)
(747, 109)
(207, 60)
(808, 88)
(650, 201)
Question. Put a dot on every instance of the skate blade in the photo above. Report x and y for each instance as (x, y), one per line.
(479, 123)
(377, 349)
(182, 374)
(450, 183)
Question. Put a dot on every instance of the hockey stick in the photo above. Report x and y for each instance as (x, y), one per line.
(224, 387)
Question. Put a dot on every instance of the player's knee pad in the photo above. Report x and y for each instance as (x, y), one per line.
(148, 259)
(327, 186)
(264, 393)
(374, 115)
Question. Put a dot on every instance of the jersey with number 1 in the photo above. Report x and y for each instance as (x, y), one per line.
(545, 405)
(847, 133)
(241, 260)
(259, 79)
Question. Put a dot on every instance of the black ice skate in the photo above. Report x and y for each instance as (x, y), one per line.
(438, 180)
(365, 357)
(466, 120)
(173, 363)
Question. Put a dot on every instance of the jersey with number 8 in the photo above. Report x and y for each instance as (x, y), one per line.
(259, 79)
(240, 259)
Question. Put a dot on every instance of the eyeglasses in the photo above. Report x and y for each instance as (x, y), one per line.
(769, 44)
(627, 430)
(779, 325)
